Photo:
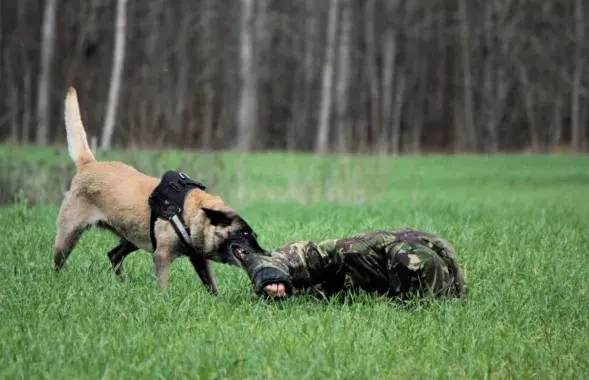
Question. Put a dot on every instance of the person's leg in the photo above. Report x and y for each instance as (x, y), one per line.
(416, 269)
(447, 252)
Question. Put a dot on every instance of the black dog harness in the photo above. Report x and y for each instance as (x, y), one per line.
(167, 202)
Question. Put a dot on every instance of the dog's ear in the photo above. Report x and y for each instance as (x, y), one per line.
(218, 217)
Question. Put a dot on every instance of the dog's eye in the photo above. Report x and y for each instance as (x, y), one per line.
(247, 234)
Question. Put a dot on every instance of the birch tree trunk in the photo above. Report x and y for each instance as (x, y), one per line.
(442, 64)
(343, 77)
(182, 78)
(12, 101)
(576, 118)
(248, 94)
(397, 106)
(310, 70)
(263, 67)
(556, 125)
(500, 34)
(209, 17)
(372, 70)
(116, 74)
(416, 78)
(389, 90)
(486, 116)
(147, 113)
(416, 109)
(47, 51)
(528, 95)
(297, 101)
(28, 115)
(24, 94)
(466, 136)
(321, 141)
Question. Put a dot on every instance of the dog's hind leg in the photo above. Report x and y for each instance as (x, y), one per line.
(118, 254)
(204, 270)
(74, 217)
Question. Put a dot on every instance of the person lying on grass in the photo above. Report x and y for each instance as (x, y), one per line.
(397, 263)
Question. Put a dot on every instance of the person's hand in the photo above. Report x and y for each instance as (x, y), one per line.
(275, 290)
(271, 281)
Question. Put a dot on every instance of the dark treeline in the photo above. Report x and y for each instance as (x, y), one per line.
(332, 75)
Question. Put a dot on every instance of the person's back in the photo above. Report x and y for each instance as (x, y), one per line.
(384, 260)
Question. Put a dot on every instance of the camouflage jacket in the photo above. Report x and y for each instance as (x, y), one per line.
(361, 261)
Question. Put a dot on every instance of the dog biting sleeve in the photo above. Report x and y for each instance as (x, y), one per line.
(167, 202)
(270, 275)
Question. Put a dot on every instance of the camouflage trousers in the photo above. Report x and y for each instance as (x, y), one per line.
(420, 271)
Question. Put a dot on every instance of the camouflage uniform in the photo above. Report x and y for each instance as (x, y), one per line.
(394, 263)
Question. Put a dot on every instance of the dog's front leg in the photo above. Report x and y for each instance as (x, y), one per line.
(162, 258)
(204, 270)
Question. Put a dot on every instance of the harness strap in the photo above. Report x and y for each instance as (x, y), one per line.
(181, 231)
(167, 202)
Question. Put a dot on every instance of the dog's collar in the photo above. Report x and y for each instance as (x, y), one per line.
(167, 202)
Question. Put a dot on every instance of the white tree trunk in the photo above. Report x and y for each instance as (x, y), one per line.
(343, 77)
(322, 142)
(182, 79)
(13, 102)
(486, 114)
(556, 125)
(372, 70)
(528, 95)
(208, 36)
(442, 65)
(500, 34)
(389, 69)
(27, 103)
(397, 106)
(417, 109)
(47, 51)
(147, 108)
(262, 45)
(576, 137)
(467, 139)
(116, 74)
(248, 94)
(310, 59)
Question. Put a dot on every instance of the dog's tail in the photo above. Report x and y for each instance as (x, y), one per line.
(77, 141)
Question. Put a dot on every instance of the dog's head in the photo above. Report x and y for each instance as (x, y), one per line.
(217, 231)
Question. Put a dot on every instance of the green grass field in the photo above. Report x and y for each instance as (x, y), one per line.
(520, 225)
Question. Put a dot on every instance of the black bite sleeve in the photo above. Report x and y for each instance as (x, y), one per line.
(266, 276)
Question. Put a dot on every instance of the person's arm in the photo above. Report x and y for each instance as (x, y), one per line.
(266, 270)
(297, 265)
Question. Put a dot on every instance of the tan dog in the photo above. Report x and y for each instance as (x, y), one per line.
(114, 196)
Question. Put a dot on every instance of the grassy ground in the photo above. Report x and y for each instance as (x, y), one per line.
(520, 224)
